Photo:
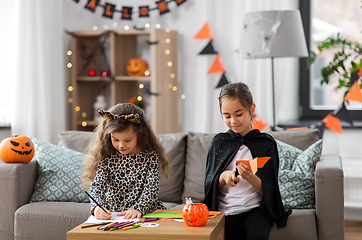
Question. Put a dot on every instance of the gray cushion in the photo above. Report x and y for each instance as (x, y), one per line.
(301, 225)
(171, 188)
(301, 139)
(75, 140)
(196, 154)
(49, 220)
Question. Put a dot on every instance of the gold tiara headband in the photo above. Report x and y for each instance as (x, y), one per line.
(107, 116)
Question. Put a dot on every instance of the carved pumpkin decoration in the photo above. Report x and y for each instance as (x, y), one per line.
(136, 67)
(195, 214)
(16, 149)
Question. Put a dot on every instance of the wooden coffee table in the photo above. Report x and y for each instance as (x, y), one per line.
(168, 229)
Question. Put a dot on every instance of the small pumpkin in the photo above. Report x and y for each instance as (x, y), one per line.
(16, 149)
(136, 67)
(195, 214)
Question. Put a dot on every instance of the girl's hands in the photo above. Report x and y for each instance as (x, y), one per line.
(244, 171)
(100, 214)
(229, 178)
(130, 213)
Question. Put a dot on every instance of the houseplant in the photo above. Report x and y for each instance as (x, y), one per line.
(346, 64)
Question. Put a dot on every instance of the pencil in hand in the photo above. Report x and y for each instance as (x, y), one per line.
(96, 202)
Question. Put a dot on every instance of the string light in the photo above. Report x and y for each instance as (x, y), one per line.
(95, 28)
(168, 40)
(147, 73)
(167, 51)
(105, 27)
(170, 85)
(174, 88)
(172, 75)
(115, 24)
(158, 25)
(84, 114)
(168, 30)
(69, 65)
(69, 52)
(70, 88)
(77, 108)
(147, 25)
(70, 100)
(169, 64)
(139, 98)
(84, 123)
(126, 27)
(141, 85)
(183, 96)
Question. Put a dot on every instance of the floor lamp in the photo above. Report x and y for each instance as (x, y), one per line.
(270, 34)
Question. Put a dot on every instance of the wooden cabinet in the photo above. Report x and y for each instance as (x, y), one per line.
(108, 52)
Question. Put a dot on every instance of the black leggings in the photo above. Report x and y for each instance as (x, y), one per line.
(251, 225)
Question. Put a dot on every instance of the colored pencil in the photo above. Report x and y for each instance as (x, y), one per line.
(96, 202)
(93, 225)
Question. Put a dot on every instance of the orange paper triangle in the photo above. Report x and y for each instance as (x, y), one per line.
(333, 123)
(354, 93)
(258, 123)
(256, 163)
(216, 66)
(204, 33)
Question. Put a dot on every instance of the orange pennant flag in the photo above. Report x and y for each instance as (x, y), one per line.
(216, 66)
(333, 123)
(256, 163)
(354, 93)
(204, 33)
(258, 123)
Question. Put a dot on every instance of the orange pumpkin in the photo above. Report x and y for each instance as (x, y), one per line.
(136, 67)
(195, 214)
(16, 149)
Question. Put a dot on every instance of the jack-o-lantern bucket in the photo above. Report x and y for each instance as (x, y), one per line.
(136, 67)
(16, 149)
(195, 214)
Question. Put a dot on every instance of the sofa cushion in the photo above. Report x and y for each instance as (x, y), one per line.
(196, 154)
(171, 188)
(59, 171)
(76, 140)
(301, 139)
(49, 220)
(301, 225)
(297, 183)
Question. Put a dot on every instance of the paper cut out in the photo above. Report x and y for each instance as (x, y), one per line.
(204, 33)
(216, 66)
(354, 93)
(258, 123)
(209, 49)
(256, 163)
(333, 123)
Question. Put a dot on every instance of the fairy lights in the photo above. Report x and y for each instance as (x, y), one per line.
(95, 28)
(69, 65)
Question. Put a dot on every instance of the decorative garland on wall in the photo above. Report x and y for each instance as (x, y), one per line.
(127, 12)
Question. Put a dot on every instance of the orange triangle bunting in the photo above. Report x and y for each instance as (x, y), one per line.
(354, 93)
(216, 66)
(333, 123)
(258, 123)
(204, 33)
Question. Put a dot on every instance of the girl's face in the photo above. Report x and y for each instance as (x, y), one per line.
(236, 116)
(125, 142)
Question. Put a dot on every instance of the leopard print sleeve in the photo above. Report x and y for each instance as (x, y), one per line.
(98, 187)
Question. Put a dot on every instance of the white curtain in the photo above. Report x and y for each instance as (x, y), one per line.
(39, 100)
(41, 87)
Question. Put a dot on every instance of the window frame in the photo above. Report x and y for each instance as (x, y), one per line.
(306, 112)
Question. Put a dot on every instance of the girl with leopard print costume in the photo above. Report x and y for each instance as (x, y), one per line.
(123, 163)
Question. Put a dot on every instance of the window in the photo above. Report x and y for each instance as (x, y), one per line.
(323, 19)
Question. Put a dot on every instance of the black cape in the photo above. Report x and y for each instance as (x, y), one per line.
(222, 150)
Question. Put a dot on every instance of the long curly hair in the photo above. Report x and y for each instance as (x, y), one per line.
(101, 145)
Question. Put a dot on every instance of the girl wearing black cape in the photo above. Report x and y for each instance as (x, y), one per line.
(251, 202)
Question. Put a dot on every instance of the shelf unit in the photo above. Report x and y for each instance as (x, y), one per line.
(159, 88)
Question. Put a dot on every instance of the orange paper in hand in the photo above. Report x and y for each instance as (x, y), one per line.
(256, 163)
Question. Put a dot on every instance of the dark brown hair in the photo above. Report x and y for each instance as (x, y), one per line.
(239, 91)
